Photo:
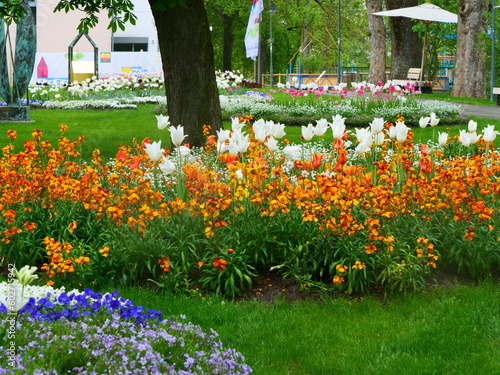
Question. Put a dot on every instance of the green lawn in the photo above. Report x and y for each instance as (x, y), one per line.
(441, 331)
(107, 129)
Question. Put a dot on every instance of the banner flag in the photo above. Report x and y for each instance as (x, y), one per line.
(252, 36)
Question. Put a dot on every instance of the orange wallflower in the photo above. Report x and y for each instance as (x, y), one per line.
(164, 264)
(220, 263)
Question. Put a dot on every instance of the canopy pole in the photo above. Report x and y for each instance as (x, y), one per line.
(422, 65)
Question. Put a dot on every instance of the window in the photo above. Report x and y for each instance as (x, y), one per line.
(130, 44)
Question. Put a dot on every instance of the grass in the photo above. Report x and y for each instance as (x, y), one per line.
(103, 129)
(441, 331)
(107, 129)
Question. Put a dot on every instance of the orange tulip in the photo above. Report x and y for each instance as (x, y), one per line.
(316, 160)
(342, 157)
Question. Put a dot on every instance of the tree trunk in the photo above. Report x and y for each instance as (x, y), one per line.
(470, 67)
(377, 42)
(189, 68)
(228, 38)
(406, 45)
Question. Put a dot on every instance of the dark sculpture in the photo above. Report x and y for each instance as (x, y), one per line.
(23, 64)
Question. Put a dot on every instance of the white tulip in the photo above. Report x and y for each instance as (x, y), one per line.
(338, 119)
(443, 139)
(233, 148)
(177, 135)
(401, 132)
(243, 144)
(379, 138)
(272, 143)
(393, 132)
(338, 129)
(278, 131)
(260, 132)
(424, 121)
(464, 138)
(474, 137)
(489, 133)
(434, 119)
(183, 151)
(167, 166)
(222, 147)
(364, 135)
(308, 132)
(235, 124)
(362, 148)
(472, 126)
(321, 127)
(154, 151)
(293, 152)
(377, 125)
(239, 174)
(222, 135)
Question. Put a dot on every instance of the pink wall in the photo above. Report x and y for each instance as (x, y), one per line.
(56, 31)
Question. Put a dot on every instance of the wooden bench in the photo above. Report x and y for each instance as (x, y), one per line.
(496, 91)
(412, 77)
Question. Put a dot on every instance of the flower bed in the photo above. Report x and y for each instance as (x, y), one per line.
(333, 213)
(92, 333)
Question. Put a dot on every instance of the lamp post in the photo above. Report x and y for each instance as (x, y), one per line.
(493, 48)
(338, 45)
(272, 10)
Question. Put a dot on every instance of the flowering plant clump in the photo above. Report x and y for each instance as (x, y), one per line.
(333, 211)
(359, 105)
(92, 333)
(112, 87)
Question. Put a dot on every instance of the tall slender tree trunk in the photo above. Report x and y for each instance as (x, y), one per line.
(406, 45)
(228, 38)
(189, 68)
(470, 67)
(377, 42)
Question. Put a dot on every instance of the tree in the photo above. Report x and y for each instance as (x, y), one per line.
(406, 45)
(470, 68)
(377, 42)
(186, 51)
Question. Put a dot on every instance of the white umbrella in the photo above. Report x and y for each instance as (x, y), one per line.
(427, 13)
